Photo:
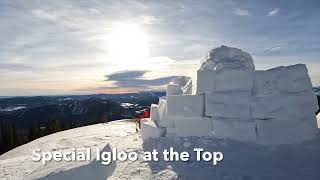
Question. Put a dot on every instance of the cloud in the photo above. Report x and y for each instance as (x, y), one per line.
(241, 12)
(274, 12)
(123, 75)
(136, 79)
(62, 45)
(272, 49)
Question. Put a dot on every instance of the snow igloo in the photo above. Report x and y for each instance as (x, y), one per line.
(233, 100)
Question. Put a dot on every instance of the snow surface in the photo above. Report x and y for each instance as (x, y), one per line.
(10, 109)
(243, 161)
(126, 105)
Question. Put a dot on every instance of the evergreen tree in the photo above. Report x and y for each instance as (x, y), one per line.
(104, 118)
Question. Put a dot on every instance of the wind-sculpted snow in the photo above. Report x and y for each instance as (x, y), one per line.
(227, 57)
(94, 170)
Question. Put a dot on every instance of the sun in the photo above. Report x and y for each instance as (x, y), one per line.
(127, 45)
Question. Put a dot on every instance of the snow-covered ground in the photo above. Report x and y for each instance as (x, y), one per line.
(243, 161)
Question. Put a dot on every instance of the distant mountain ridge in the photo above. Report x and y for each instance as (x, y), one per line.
(23, 119)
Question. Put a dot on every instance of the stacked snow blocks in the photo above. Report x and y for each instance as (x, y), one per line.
(182, 114)
(234, 101)
(284, 105)
(234, 105)
(275, 106)
(226, 79)
(227, 102)
(185, 114)
(151, 128)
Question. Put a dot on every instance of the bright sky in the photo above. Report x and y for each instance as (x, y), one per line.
(108, 46)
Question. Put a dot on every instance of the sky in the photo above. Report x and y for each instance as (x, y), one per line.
(106, 46)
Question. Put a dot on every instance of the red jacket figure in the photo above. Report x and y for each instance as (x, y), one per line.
(144, 114)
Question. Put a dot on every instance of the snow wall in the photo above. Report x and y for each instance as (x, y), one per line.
(235, 101)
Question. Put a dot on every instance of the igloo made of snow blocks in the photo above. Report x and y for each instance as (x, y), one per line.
(235, 101)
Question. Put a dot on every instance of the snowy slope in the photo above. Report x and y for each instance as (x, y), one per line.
(243, 161)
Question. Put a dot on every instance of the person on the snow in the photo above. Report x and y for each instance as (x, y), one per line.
(143, 115)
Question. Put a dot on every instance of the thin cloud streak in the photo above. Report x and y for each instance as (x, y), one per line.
(274, 12)
(241, 12)
(134, 79)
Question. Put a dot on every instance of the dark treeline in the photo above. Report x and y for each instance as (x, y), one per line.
(318, 95)
(11, 136)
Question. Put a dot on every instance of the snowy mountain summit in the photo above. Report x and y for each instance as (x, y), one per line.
(235, 101)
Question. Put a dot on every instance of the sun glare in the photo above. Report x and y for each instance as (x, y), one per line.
(127, 46)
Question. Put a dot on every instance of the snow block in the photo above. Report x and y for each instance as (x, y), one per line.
(284, 105)
(278, 131)
(150, 130)
(296, 79)
(266, 107)
(193, 126)
(173, 89)
(268, 82)
(301, 104)
(205, 81)
(162, 107)
(171, 135)
(185, 105)
(227, 104)
(167, 122)
(154, 112)
(291, 79)
(236, 130)
(171, 130)
(234, 80)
